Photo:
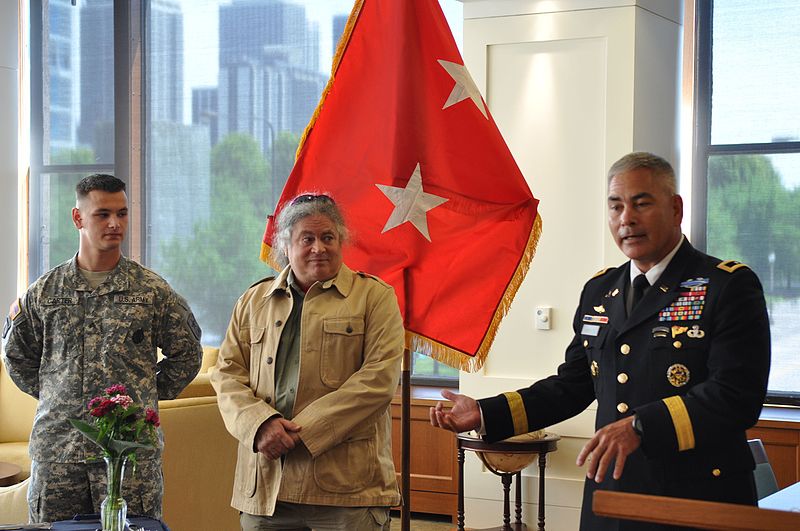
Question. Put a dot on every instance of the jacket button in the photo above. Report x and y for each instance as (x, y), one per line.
(677, 344)
(716, 472)
(268, 400)
(622, 378)
(349, 330)
(622, 407)
(625, 349)
(278, 322)
(585, 342)
(269, 360)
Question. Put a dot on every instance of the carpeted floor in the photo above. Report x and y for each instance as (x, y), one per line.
(424, 522)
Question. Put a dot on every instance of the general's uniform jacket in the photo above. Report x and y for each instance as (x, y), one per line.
(350, 352)
(65, 343)
(692, 361)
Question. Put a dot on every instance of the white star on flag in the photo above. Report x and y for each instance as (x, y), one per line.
(464, 88)
(410, 204)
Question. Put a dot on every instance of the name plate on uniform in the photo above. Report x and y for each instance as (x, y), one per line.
(59, 301)
(133, 299)
(590, 329)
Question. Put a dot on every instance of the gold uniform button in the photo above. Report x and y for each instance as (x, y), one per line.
(622, 378)
(622, 407)
(585, 343)
(625, 349)
(716, 472)
(677, 344)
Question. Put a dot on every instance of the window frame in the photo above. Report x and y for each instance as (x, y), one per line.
(130, 127)
(703, 149)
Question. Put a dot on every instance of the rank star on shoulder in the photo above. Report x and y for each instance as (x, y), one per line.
(410, 204)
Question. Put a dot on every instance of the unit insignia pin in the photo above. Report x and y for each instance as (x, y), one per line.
(678, 375)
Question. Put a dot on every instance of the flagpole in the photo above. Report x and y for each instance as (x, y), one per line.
(405, 444)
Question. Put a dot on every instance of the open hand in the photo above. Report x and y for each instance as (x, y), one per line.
(465, 414)
(613, 441)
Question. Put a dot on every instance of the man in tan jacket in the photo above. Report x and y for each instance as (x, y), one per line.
(305, 377)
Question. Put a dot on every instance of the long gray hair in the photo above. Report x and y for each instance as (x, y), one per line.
(302, 206)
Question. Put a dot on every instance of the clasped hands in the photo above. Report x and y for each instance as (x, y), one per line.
(613, 442)
(276, 437)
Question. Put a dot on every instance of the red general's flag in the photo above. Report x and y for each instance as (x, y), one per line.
(436, 204)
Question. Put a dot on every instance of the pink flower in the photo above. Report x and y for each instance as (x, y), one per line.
(94, 402)
(117, 389)
(151, 417)
(122, 400)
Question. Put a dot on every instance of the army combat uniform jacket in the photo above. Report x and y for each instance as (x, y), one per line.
(65, 343)
(691, 361)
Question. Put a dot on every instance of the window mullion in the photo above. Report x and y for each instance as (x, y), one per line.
(129, 114)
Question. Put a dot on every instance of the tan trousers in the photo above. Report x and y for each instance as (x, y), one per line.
(300, 517)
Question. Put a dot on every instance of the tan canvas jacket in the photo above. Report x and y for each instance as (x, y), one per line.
(350, 355)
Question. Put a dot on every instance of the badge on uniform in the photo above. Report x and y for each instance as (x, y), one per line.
(597, 319)
(594, 368)
(678, 375)
(13, 312)
(689, 304)
(660, 331)
(590, 329)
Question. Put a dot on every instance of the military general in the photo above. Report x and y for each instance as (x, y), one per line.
(675, 347)
(93, 321)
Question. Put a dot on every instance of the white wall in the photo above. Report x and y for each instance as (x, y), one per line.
(573, 85)
(9, 79)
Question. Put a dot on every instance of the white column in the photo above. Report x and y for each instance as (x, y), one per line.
(9, 80)
(573, 85)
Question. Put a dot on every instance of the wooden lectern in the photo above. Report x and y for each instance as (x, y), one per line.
(691, 513)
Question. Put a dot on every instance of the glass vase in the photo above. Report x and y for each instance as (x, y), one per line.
(114, 509)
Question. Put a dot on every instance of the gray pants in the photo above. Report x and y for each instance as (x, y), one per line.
(59, 491)
(300, 517)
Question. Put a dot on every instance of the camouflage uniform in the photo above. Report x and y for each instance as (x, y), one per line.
(65, 343)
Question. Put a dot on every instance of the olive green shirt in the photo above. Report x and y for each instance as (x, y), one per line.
(287, 357)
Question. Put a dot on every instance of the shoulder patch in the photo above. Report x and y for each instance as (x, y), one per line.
(265, 279)
(729, 266)
(602, 272)
(363, 274)
(15, 309)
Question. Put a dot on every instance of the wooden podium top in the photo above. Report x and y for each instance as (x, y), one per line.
(694, 513)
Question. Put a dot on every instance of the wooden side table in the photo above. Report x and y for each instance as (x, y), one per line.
(8, 474)
(533, 446)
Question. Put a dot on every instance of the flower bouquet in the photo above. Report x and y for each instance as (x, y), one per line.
(119, 428)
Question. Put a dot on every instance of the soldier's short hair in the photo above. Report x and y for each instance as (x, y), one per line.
(641, 159)
(302, 206)
(98, 181)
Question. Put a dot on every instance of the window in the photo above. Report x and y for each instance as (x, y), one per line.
(227, 88)
(747, 158)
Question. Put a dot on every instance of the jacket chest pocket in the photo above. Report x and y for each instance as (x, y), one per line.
(679, 359)
(342, 349)
(256, 355)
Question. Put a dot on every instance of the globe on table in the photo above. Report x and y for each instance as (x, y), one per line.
(510, 463)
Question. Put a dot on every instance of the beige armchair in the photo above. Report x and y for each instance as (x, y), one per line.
(198, 461)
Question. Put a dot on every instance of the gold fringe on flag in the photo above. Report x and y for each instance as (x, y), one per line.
(344, 40)
(468, 362)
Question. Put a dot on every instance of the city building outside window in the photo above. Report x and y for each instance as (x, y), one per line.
(227, 88)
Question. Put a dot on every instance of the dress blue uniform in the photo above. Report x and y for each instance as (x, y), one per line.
(691, 361)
